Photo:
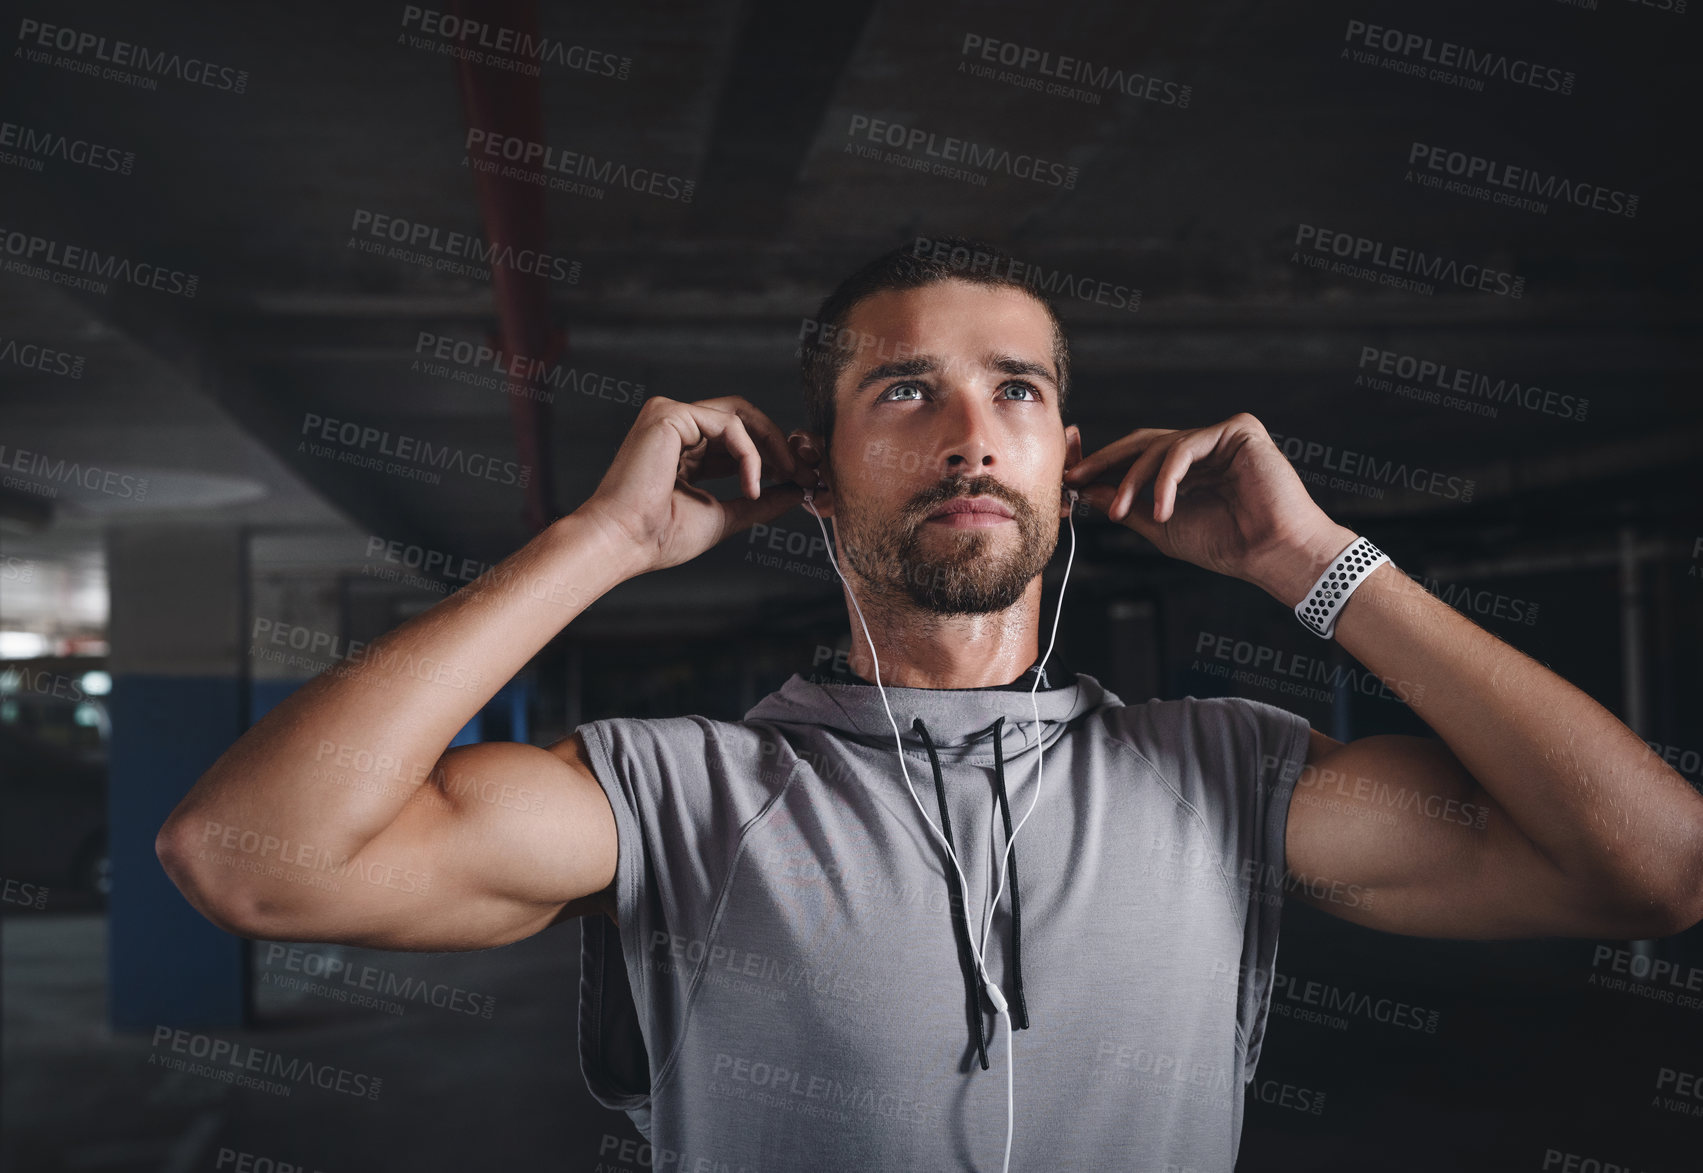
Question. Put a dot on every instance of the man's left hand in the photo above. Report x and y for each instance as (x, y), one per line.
(1223, 497)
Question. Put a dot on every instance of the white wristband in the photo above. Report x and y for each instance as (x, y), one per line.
(1318, 611)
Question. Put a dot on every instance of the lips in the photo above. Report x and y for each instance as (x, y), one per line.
(972, 505)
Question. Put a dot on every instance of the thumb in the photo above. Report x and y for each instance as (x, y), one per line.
(742, 512)
(1138, 518)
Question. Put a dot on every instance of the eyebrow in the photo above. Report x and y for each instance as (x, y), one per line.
(922, 364)
(928, 364)
(1011, 365)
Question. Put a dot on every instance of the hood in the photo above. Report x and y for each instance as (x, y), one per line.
(959, 720)
(961, 726)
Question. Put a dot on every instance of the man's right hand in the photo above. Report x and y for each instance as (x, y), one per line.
(649, 500)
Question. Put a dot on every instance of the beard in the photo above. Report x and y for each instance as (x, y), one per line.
(969, 572)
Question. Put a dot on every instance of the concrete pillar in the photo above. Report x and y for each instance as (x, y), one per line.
(179, 699)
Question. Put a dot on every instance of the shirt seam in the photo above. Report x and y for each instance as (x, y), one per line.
(596, 739)
(1200, 820)
(666, 1071)
(1276, 835)
(951, 754)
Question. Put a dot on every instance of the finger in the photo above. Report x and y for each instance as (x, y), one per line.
(698, 458)
(739, 442)
(1139, 473)
(1101, 497)
(1124, 448)
(1108, 459)
(657, 442)
(764, 430)
(739, 513)
(738, 455)
(1098, 496)
(1175, 466)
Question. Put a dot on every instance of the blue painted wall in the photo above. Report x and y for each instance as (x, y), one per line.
(166, 963)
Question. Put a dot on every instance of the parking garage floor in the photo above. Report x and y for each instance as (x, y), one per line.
(459, 1090)
(462, 1091)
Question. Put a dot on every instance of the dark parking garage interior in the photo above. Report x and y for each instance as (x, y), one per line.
(240, 282)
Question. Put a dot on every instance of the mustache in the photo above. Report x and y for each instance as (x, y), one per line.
(982, 486)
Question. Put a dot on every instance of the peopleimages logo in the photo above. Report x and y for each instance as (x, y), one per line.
(37, 146)
(505, 47)
(157, 62)
(1051, 282)
(346, 441)
(55, 261)
(1482, 602)
(1401, 266)
(1366, 467)
(231, 1061)
(561, 169)
(1332, 1005)
(35, 357)
(1291, 668)
(1431, 381)
(742, 1078)
(454, 248)
(538, 379)
(262, 849)
(663, 1160)
(1064, 76)
(57, 469)
(1446, 61)
(926, 150)
(1509, 185)
(344, 981)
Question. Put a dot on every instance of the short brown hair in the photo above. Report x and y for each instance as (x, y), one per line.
(822, 356)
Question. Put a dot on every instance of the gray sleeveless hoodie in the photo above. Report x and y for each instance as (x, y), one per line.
(789, 986)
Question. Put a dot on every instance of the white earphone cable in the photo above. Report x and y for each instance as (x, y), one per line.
(995, 994)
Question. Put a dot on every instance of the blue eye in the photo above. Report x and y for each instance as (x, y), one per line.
(1034, 391)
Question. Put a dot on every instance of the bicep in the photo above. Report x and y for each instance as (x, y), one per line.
(505, 840)
(1398, 821)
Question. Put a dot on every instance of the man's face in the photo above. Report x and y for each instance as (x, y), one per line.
(955, 396)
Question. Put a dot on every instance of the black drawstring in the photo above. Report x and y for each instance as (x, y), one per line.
(960, 924)
(960, 919)
(1021, 1018)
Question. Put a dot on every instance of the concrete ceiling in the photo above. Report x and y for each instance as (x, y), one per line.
(258, 194)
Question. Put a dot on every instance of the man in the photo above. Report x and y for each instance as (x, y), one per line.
(805, 958)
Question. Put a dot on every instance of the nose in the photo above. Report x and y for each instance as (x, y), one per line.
(968, 442)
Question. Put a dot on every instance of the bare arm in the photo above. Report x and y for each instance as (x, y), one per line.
(340, 815)
(1539, 813)
(1585, 831)
(343, 815)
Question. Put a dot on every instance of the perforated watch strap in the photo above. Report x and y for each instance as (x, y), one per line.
(1318, 611)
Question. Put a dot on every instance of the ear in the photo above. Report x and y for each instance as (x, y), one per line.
(1072, 455)
(811, 454)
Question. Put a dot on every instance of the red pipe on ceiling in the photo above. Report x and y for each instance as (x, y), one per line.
(510, 102)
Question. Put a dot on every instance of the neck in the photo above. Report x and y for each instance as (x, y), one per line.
(919, 648)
